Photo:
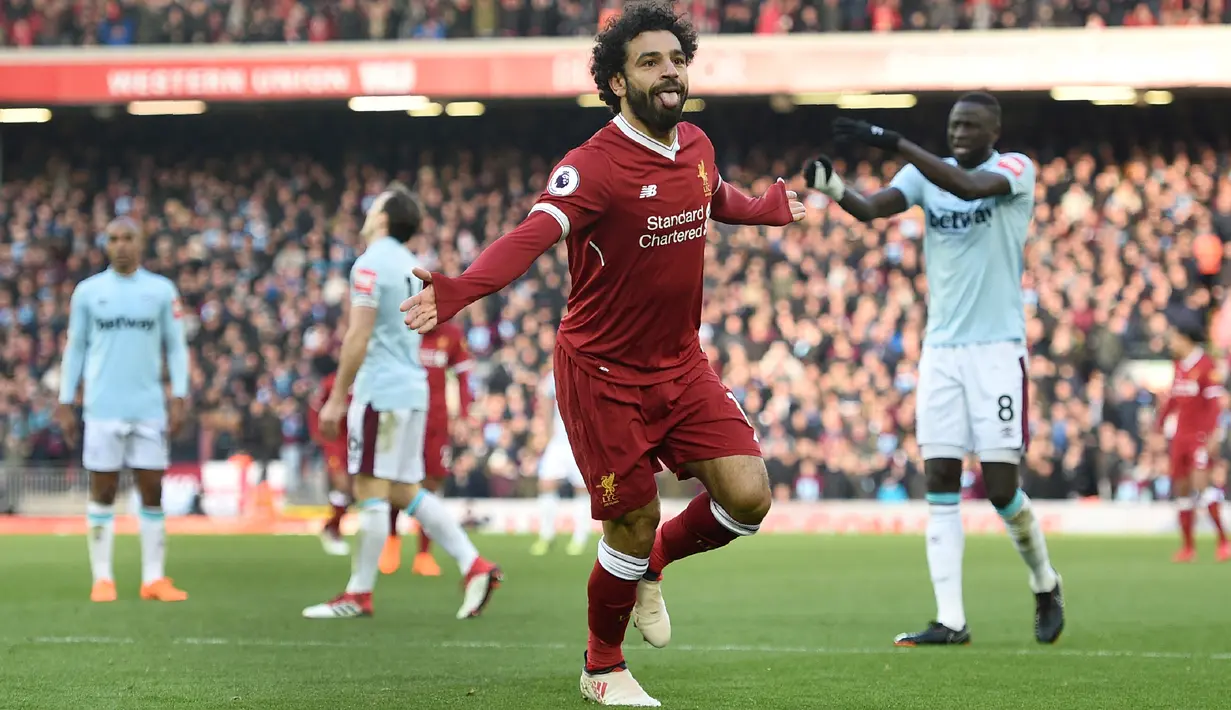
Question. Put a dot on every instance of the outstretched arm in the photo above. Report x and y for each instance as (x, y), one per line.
(776, 208)
(1012, 174)
(498, 265)
(820, 175)
(972, 185)
(576, 195)
(878, 205)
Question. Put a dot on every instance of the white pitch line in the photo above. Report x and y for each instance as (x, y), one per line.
(686, 648)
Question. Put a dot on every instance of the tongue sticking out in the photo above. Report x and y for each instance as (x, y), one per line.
(669, 99)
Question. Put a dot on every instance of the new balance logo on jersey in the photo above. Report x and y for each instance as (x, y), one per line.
(124, 323)
(950, 221)
(648, 191)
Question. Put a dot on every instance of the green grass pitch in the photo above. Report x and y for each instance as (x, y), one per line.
(773, 622)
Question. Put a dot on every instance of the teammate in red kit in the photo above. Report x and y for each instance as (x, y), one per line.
(442, 349)
(633, 385)
(1196, 403)
(334, 451)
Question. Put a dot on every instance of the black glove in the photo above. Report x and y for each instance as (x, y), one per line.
(819, 174)
(847, 130)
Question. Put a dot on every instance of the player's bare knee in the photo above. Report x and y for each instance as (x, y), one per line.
(151, 495)
(1001, 480)
(633, 533)
(149, 484)
(738, 484)
(748, 505)
(368, 487)
(944, 475)
(402, 495)
(432, 485)
(103, 487)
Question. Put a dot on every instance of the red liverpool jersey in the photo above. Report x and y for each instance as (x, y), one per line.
(1196, 398)
(635, 213)
(442, 350)
(331, 447)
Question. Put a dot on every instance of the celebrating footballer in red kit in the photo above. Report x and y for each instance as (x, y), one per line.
(1196, 405)
(441, 350)
(633, 204)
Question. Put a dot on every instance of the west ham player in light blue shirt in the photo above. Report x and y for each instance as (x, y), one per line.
(120, 324)
(387, 414)
(972, 395)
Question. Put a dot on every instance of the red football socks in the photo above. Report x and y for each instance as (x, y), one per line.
(692, 531)
(1187, 519)
(1215, 509)
(611, 602)
(425, 542)
(394, 511)
(335, 520)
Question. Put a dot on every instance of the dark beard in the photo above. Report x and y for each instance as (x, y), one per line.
(656, 118)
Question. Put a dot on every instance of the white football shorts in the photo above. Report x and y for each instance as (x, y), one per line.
(110, 445)
(973, 398)
(387, 445)
(558, 464)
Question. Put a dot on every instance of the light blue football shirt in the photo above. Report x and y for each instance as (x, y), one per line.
(118, 328)
(391, 377)
(973, 254)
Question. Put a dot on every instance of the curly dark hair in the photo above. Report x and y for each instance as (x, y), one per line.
(611, 45)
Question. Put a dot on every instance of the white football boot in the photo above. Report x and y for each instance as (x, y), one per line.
(334, 545)
(615, 687)
(483, 579)
(650, 614)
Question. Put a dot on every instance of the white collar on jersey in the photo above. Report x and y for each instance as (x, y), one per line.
(642, 139)
(1193, 358)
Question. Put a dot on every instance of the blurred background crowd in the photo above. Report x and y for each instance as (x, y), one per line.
(815, 327)
(26, 23)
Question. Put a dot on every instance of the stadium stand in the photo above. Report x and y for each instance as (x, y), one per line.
(30, 23)
(815, 328)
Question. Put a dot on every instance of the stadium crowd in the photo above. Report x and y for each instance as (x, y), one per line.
(27, 23)
(816, 327)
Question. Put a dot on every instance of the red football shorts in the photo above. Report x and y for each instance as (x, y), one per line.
(335, 463)
(1188, 455)
(619, 433)
(437, 451)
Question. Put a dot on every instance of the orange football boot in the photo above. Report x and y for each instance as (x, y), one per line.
(425, 565)
(103, 591)
(391, 555)
(163, 590)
